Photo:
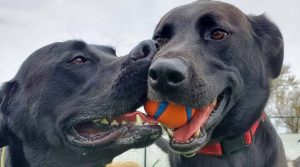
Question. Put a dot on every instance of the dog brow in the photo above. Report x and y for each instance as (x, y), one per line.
(208, 19)
(78, 45)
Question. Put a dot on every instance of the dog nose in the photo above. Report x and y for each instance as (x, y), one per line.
(144, 49)
(167, 73)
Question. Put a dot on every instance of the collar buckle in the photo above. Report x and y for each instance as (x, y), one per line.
(234, 145)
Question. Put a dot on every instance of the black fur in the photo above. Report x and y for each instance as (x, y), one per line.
(50, 92)
(243, 63)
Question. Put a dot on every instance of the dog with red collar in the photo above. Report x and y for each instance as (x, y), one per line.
(216, 63)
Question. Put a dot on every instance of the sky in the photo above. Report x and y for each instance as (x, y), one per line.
(27, 25)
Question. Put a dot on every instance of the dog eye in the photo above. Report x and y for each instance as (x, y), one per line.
(218, 34)
(161, 41)
(78, 60)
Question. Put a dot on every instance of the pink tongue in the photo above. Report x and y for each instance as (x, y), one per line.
(184, 133)
(131, 117)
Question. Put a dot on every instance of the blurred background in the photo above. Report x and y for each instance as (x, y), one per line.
(28, 25)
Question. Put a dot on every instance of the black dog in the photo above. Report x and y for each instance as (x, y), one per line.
(220, 61)
(71, 103)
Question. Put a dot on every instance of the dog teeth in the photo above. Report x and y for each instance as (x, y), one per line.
(170, 132)
(114, 123)
(124, 122)
(184, 142)
(214, 103)
(181, 142)
(146, 123)
(95, 121)
(138, 121)
(190, 140)
(196, 134)
(104, 121)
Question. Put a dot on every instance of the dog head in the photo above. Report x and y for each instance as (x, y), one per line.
(66, 104)
(218, 60)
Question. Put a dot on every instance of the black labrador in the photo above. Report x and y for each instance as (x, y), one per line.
(71, 105)
(220, 61)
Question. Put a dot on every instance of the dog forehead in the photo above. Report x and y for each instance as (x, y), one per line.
(192, 12)
(45, 58)
(54, 52)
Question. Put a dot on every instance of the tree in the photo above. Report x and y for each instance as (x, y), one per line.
(284, 102)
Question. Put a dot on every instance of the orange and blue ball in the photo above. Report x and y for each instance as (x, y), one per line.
(169, 114)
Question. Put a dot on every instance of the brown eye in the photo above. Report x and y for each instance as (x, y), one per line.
(161, 41)
(218, 34)
(78, 60)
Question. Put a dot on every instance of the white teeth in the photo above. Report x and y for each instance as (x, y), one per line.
(163, 126)
(146, 123)
(96, 121)
(189, 140)
(104, 121)
(138, 120)
(114, 122)
(215, 102)
(196, 134)
(171, 132)
(124, 122)
(184, 142)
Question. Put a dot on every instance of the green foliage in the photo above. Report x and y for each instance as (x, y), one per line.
(285, 100)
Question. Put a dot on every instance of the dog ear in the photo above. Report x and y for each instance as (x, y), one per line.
(270, 40)
(6, 93)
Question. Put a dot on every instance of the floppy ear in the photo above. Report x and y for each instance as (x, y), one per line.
(6, 92)
(270, 41)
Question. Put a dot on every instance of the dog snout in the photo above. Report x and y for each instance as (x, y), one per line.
(144, 49)
(167, 73)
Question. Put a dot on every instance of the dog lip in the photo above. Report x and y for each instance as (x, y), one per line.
(218, 112)
(79, 140)
(192, 146)
(122, 132)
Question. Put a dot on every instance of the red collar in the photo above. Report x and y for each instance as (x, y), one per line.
(230, 146)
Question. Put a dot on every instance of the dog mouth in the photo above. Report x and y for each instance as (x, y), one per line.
(102, 131)
(196, 133)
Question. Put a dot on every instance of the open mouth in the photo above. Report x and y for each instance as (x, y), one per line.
(103, 131)
(194, 135)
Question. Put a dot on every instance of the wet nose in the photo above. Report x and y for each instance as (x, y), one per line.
(165, 73)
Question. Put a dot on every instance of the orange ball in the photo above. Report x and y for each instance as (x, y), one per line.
(169, 114)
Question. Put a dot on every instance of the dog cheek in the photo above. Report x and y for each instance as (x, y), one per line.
(43, 124)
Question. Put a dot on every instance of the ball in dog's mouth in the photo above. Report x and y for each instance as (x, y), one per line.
(191, 137)
(102, 131)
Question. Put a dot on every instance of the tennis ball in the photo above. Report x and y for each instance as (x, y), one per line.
(169, 114)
